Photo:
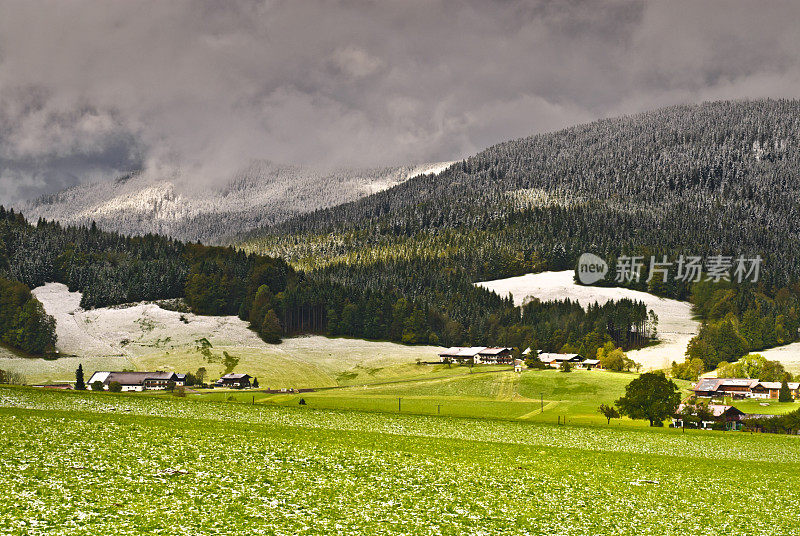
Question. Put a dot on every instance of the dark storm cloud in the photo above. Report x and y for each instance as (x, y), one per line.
(96, 88)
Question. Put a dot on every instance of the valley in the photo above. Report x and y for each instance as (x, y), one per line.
(273, 268)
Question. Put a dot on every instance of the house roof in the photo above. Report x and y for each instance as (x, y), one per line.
(716, 384)
(460, 351)
(494, 350)
(774, 385)
(591, 361)
(717, 410)
(719, 384)
(99, 376)
(233, 376)
(552, 357)
(131, 378)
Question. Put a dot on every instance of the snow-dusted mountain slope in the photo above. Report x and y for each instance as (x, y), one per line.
(675, 324)
(261, 194)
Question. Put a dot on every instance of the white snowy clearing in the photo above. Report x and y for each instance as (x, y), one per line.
(146, 337)
(788, 355)
(675, 324)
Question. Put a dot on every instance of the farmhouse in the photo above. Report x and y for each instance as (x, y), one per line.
(741, 388)
(234, 381)
(496, 355)
(505, 355)
(719, 413)
(478, 355)
(462, 354)
(554, 360)
(138, 381)
(771, 389)
(721, 387)
(589, 364)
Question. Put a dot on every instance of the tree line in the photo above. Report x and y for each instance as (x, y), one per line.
(740, 319)
(409, 303)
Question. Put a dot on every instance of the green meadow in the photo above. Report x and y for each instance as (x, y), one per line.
(100, 463)
(484, 392)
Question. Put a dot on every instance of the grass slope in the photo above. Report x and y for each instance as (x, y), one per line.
(90, 463)
(486, 392)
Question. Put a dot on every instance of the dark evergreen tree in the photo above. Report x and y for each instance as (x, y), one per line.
(785, 394)
(79, 381)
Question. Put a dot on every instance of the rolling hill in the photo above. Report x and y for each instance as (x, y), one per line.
(720, 177)
(713, 179)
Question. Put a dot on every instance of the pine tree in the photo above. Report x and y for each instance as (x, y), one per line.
(79, 383)
(270, 328)
(785, 394)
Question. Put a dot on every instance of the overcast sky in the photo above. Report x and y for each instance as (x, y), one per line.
(91, 89)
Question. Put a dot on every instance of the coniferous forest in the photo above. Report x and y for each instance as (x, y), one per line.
(720, 178)
(277, 300)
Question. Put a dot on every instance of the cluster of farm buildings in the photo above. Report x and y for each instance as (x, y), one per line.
(741, 388)
(495, 355)
(729, 417)
(159, 380)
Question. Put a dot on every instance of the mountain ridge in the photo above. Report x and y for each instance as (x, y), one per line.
(260, 194)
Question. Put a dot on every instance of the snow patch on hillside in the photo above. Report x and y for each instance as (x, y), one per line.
(788, 355)
(675, 324)
(134, 330)
(145, 336)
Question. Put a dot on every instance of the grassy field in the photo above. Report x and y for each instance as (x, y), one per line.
(766, 407)
(486, 392)
(92, 463)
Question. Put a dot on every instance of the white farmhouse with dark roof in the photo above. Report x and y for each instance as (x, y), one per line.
(487, 355)
(137, 381)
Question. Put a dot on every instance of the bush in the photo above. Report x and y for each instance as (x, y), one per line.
(613, 358)
(688, 370)
(97, 385)
(11, 378)
(114, 387)
(565, 367)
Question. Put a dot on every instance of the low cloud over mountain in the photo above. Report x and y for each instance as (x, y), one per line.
(92, 89)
